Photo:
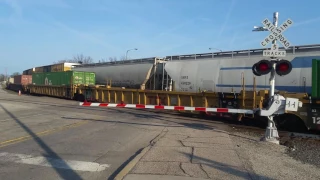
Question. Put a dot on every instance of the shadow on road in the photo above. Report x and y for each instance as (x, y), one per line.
(198, 126)
(121, 122)
(179, 115)
(63, 173)
(226, 168)
(144, 113)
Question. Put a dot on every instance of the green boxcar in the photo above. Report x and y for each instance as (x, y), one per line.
(64, 78)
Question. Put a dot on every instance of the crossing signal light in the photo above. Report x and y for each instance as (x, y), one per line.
(283, 67)
(262, 67)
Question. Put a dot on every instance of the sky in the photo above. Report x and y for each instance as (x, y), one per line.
(38, 32)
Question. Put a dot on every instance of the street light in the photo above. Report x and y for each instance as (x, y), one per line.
(128, 51)
(216, 49)
(259, 28)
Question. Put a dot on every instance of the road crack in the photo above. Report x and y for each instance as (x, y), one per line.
(180, 165)
(201, 167)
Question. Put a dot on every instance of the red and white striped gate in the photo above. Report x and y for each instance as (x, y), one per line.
(177, 108)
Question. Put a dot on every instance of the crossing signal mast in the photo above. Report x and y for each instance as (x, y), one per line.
(274, 66)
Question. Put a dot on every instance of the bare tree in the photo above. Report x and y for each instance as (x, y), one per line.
(102, 60)
(76, 59)
(62, 61)
(2, 77)
(112, 59)
(122, 58)
(83, 59)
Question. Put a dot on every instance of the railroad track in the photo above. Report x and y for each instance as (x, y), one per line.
(282, 134)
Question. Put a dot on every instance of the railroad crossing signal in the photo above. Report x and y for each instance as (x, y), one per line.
(282, 67)
(276, 33)
(263, 67)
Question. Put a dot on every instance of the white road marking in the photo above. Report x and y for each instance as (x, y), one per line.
(51, 162)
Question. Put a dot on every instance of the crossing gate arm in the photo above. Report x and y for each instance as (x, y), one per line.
(177, 108)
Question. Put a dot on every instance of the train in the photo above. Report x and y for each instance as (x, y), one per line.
(213, 72)
(218, 72)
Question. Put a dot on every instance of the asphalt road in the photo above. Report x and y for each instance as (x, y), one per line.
(47, 138)
(50, 138)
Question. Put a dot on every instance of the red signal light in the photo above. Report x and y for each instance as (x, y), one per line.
(262, 67)
(283, 67)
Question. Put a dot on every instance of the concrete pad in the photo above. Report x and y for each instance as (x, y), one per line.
(207, 145)
(166, 142)
(180, 131)
(175, 168)
(217, 140)
(150, 168)
(160, 168)
(194, 170)
(176, 137)
(224, 172)
(216, 156)
(169, 154)
(195, 132)
(171, 140)
(158, 177)
(210, 133)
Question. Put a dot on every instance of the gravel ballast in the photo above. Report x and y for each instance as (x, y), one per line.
(292, 159)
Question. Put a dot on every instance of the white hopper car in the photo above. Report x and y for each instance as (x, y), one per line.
(224, 73)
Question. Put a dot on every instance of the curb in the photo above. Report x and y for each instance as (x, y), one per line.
(136, 159)
(131, 164)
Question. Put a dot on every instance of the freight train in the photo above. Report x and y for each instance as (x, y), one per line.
(215, 72)
(222, 72)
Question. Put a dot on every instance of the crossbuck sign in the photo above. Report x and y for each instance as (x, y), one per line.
(276, 33)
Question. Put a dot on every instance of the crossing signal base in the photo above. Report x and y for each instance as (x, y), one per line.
(271, 53)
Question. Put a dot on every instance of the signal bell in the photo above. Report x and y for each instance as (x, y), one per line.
(263, 67)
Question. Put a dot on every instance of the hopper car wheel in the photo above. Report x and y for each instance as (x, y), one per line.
(290, 122)
(260, 121)
(79, 97)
